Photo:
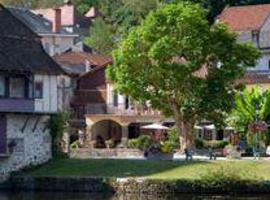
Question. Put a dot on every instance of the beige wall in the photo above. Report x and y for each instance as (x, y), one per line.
(264, 86)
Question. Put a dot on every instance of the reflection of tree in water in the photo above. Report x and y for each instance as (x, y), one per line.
(101, 196)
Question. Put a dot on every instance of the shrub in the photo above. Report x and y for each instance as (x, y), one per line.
(173, 138)
(214, 144)
(199, 143)
(74, 145)
(142, 142)
(167, 147)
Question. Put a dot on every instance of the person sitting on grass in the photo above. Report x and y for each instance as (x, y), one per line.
(188, 154)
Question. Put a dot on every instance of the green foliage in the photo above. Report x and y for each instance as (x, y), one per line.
(158, 61)
(244, 112)
(173, 138)
(143, 142)
(58, 125)
(214, 144)
(167, 147)
(199, 143)
(74, 145)
(226, 174)
(101, 37)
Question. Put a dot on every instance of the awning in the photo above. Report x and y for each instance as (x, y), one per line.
(155, 126)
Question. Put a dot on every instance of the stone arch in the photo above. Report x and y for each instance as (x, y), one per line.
(106, 130)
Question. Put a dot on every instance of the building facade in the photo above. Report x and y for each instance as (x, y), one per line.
(28, 95)
(252, 24)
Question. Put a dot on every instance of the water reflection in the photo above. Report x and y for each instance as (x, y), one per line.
(91, 196)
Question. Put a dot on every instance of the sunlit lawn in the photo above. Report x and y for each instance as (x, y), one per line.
(148, 169)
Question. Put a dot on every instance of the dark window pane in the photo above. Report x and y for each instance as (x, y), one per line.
(17, 87)
(2, 86)
(38, 90)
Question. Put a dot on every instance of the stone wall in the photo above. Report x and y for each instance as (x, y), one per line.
(135, 185)
(32, 142)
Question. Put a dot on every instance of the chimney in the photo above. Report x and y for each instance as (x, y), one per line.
(57, 21)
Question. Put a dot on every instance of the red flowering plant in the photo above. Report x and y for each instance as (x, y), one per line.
(257, 127)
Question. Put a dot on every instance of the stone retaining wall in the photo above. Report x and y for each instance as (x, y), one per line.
(132, 186)
(32, 142)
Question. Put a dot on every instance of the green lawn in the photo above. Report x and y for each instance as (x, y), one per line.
(148, 169)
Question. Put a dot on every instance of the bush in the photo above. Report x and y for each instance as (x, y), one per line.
(143, 142)
(167, 147)
(74, 145)
(173, 138)
(214, 144)
(199, 143)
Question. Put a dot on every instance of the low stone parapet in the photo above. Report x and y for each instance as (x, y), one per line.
(119, 153)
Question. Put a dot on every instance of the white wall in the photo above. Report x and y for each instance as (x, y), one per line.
(56, 44)
(262, 63)
(32, 147)
(49, 102)
(66, 87)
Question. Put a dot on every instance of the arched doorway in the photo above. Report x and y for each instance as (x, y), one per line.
(106, 133)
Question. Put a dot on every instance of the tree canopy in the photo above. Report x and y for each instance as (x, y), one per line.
(181, 65)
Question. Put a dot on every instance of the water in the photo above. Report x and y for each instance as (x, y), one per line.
(90, 196)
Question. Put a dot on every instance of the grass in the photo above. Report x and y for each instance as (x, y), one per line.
(148, 169)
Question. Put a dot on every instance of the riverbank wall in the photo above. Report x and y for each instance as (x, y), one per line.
(134, 186)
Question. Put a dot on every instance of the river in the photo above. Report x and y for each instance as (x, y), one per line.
(91, 196)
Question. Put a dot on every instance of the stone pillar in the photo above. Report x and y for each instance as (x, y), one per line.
(124, 138)
(88, 138)
(66, 142)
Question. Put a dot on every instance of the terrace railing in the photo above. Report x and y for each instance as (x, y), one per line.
(120, 109)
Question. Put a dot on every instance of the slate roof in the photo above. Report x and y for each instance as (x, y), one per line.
(245, 18)
(35, 22)
(21, 49)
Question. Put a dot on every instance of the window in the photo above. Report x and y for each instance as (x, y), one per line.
(17, 87)
(2, 86)
(268, 64)
(115, 98)
(38, 90)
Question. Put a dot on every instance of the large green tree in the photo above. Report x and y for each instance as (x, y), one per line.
(181, 65)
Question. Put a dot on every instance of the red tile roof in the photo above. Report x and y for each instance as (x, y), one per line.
(77, 59)
(253, 77)
(245, 18)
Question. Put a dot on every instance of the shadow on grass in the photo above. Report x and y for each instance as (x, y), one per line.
(112, 168)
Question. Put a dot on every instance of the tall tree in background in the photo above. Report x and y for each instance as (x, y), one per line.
(164, 61)
(102, 37)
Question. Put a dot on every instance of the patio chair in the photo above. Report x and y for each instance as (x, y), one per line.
(188, 154)
(212, 155)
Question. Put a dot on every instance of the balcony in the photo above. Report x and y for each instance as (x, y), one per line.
(17, 105)
(110, 109)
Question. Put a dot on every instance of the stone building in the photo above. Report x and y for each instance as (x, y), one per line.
(28, 95)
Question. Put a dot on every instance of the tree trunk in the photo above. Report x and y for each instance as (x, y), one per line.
(184, 130)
